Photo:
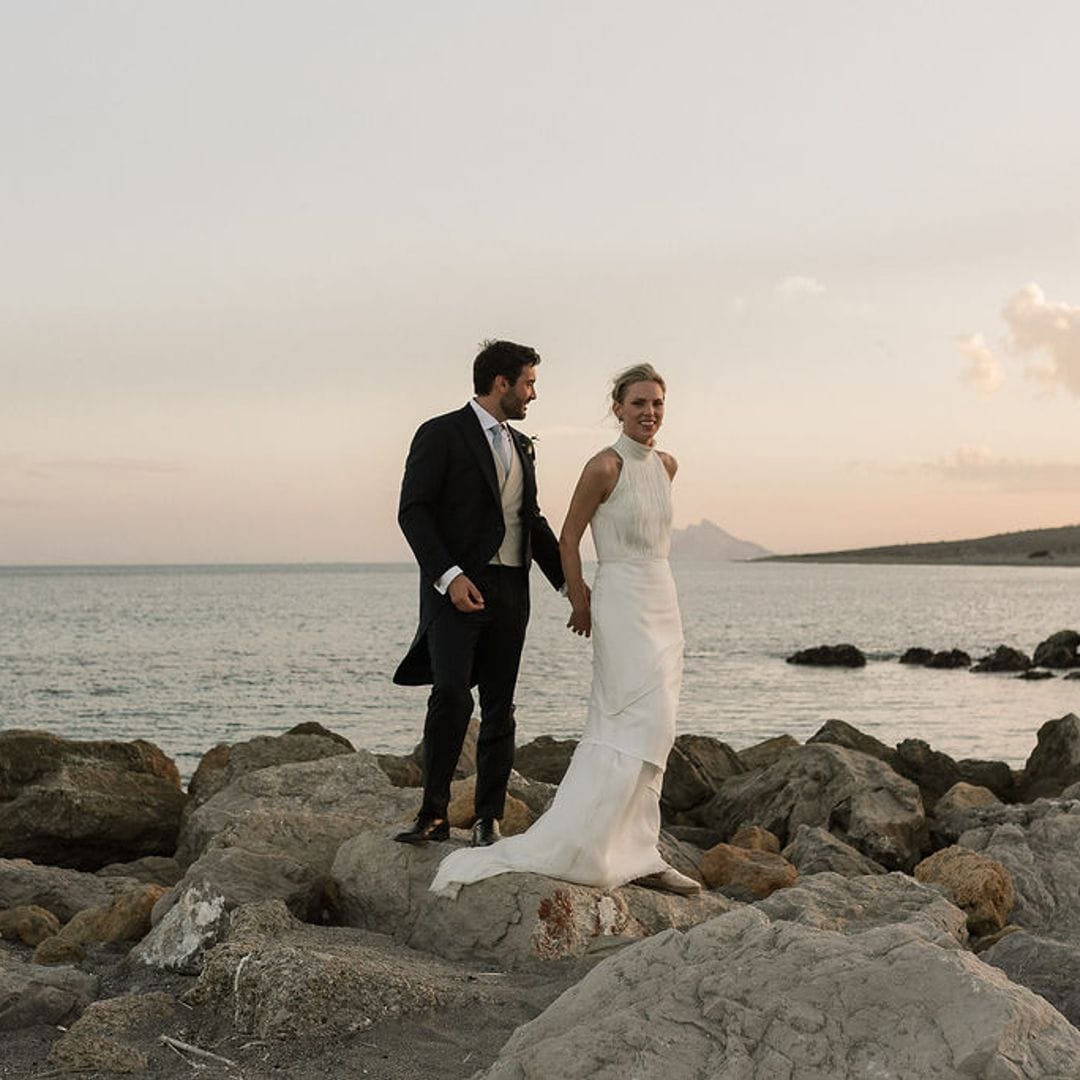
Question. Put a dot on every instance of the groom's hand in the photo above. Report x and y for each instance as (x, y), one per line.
(464, 595)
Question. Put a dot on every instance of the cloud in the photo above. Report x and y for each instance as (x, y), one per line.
(800, 286)
(983, 373)
(1051, 330)
(979, 467)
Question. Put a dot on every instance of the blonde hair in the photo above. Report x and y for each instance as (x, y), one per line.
(638, 373)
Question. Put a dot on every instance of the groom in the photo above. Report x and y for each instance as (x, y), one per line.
(468, 510)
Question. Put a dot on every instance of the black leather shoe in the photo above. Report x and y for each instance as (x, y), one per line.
(423, 829)
(485, 832)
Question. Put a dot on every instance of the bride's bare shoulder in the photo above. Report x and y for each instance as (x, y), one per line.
(604, 463)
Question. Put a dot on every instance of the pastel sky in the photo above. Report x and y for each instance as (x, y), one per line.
(249, 245)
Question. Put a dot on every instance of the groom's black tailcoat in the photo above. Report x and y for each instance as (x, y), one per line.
(451, 514)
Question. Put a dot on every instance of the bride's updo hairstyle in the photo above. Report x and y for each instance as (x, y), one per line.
(638, 373)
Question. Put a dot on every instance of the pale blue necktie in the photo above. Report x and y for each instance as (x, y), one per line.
(500, 437)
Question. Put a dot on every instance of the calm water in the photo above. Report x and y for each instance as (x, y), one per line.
(187, 657)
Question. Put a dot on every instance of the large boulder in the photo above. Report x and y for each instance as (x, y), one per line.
(743, 995)
(127, 918)
(28, 923)
(1054, 764)
(815, 850)
(222, 765)
(63, 892)
(982, 888)
(830, 656)
(841, 733)
(84, 804)
(1060, 650)
(31, 994)
(1038, 845)
(1003, 658)
(949, 658)
(767, 752)
(935, 772)
(518, 921)
(1041, 964)
(744, 873)
(696, 766)
(107, 1037)
(545, 758)
(853, 795)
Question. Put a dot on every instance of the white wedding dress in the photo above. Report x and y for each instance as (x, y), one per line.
(603, 825)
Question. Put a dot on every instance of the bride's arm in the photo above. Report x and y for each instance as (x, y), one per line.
(595, 485)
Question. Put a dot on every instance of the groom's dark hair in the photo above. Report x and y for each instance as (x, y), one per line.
(500, 358)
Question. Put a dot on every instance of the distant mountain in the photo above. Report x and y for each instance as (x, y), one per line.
(1034, 547)
(707, 542)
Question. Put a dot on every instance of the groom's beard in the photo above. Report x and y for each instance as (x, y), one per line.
(513, 408)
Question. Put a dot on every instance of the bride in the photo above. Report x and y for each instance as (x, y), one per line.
(603, 825)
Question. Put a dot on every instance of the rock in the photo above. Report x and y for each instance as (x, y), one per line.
(517, 921)
(685, 857)
(151, 870)
(220, 766)
(829, 656)
(179, 942)
(854, 796)
(517, 817)
(466, 764)
(1073, 675)
(755, 838)
(1045, 966)
(1072, 791)
(127, 918)
(949, 658)
(982, 888)
(815, 851)
(103, 1038)
(852, 905)
(31, 995)
(28, 923)
(840, 733)
(763, 754)
(696, 766)
(743, 996)
(1037, 844)
(58, 950)
(1036, 675)
(292, 980)
(63, 892)
(1060, 650)
(1004, 658)
(544, 758)
(84, 804)
(746, 874)
(1054, 764)
(303, 810)
(935, 772)
(917, 655)
(535, 794)
(702, 839)
(963, 796)
(402, 770)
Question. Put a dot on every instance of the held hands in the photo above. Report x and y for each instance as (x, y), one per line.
(580, 621)
(464, 595)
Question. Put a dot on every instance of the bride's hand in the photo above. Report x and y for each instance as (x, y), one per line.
(580, 620)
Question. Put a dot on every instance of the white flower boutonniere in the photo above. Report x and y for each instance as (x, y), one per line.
(528, 444)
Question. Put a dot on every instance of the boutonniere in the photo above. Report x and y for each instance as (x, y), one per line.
(528, 444)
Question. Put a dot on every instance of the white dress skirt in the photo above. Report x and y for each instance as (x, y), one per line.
(603, 825)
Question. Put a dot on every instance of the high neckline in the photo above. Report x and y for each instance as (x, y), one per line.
(626, 447)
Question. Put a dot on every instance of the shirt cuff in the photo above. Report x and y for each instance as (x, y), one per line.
(444, 582)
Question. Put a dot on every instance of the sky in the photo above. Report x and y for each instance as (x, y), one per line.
(247, 247)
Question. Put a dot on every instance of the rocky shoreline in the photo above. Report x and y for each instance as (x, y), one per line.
(868, 910)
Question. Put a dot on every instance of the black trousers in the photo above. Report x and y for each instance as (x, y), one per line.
(481, 648)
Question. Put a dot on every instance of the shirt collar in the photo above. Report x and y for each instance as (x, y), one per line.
(487, 421)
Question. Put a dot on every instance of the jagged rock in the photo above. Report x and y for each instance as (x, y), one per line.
(466, 764)
(815, 851)
(1037, 844)
(841, 733)
(949, 658)
(1054, 764)
(851, 905)
(151, 870)
(755, 838)
(1060, 650)
(461, 813)
(544, 758)
(854, 796)
(127, 918)
(936, 772)
(684, 856)
(104, 1038)
(746, 874)
(303, 810)
(962, 796)
(220, 766)
(1003, 658)
(401, 770)
(30, 994)
(84, 804)
(535, 794)
(696, 766)
(1036, 675)
(830, 656)
(279, 979)
(743, 996)
(63, 892)
(917, 654)
(514, 920)
(28, 923)
(763, 754)
(179, 941)
(982, 888)
(1045, 966)
(58, 950)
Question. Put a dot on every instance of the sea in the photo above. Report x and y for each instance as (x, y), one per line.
(191, 656)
